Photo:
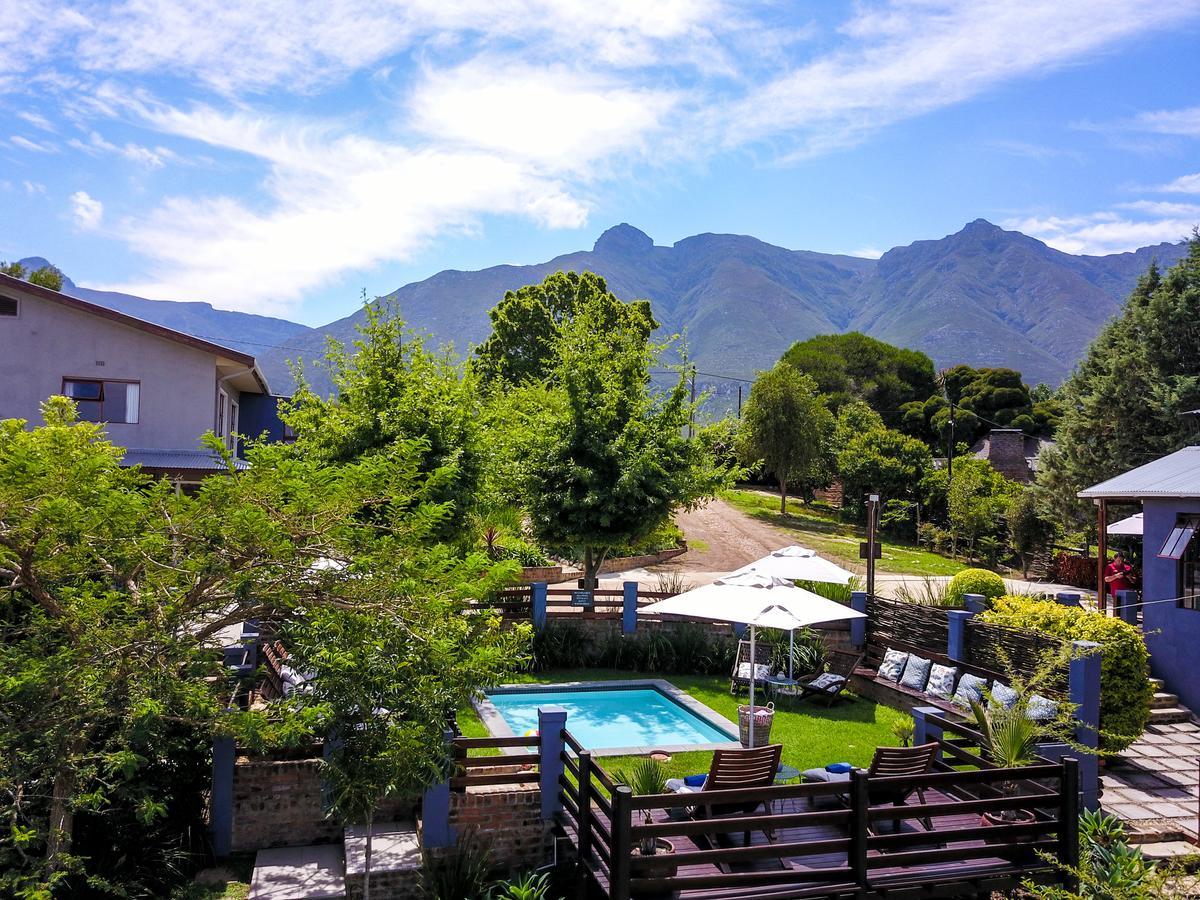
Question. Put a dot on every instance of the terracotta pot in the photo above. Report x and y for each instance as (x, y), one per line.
(664, 866)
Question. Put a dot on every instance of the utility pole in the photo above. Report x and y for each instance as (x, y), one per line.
(739, 401)
(692, 411)
(872, 521)
(950, 451)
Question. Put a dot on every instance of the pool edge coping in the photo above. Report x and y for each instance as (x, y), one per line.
(498, 727)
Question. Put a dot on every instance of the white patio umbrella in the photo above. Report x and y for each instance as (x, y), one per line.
(798, 564)
(1131, 525)
(760, 601)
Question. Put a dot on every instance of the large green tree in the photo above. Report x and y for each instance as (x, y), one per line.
(787, 429)
(390, 387)
(47, 276)
(856, 367)
(883, 461)
(611, 463)
(1130, 398)
(527, 324)
(113, 590)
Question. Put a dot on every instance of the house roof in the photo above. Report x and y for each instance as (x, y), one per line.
(191, 460)
(235, 356)
(1175, 475)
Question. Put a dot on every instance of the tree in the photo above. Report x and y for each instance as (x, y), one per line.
(392, 388)
(787, 427)
(611, 464)
(977, 498)
(1128, 401)
(527, 324)
(112, 588)
(882, 461)
(856, 367)
(1028, 531)
(47, 276)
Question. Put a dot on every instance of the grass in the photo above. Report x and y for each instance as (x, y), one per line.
(818, 527)
(812, 736)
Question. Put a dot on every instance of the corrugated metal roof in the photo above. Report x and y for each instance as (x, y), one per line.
(1175, 475)
(178, 459)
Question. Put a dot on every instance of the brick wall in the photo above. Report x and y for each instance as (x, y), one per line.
(280, 803)
(505, 817)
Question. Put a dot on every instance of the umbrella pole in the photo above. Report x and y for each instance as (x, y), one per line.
(791, 646)
(753, 672)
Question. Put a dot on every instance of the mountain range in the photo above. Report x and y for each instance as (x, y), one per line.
(983, 296)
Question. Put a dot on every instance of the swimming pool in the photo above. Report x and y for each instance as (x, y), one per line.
(613, 717)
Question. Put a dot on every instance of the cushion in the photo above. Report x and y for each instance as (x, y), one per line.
(1003, 695)
(892, 666)
(941, 681)
(970, 687)
(760, 671)
(916, 672)
(839, 768)
(824, 775)
(1041, 709)
(827, 682)
(694, 780)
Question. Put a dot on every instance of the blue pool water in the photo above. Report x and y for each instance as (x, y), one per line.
(600, 719)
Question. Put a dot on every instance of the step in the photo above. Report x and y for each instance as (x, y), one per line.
(395, 860)
(1163, 700)
(1158, 684)
(1170, 715)
(316, 872)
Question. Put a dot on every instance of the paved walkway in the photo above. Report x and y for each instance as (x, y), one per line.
(1155, 784)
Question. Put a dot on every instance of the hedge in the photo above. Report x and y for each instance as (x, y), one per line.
(1125, 690)
(974, 581)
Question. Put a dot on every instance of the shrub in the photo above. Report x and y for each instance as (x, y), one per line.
(1125, 690)
(974, 581)
(1075, 570)
(838, 593)
(686, 648)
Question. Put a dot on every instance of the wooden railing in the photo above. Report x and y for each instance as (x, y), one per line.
(516, 604)
(828, 838)
(524, 766)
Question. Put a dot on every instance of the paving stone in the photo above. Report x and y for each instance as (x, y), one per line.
(1129, 811)
(299, 873)
(1169, 810)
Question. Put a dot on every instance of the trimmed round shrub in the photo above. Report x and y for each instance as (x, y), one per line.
(1125, 690)
(974, 581)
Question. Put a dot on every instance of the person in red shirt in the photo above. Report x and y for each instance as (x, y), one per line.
(1118, 575)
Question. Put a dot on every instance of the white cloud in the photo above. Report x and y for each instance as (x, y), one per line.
(150, 157)
(1108, 231)
(33, 188)
(37, 120)
(32, 146)
(1184, 184)
(87, 210)
(908, 57)
(336, 201)
(1185, 122)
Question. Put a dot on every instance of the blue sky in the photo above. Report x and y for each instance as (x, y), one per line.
(281, 156)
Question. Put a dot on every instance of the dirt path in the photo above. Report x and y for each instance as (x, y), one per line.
(722, 539)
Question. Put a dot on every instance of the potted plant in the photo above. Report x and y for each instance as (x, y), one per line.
(647, 776)
(1009, 738)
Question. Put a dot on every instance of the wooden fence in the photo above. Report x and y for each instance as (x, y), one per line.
(516, 604)
(851, 839)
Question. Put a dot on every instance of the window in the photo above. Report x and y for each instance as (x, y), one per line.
(1179, 539)
(105, 401)
(1189, 572)
(222, 411)
(9, 307)
(233, 426)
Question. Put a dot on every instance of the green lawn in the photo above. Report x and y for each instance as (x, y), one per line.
(817, 527)
(811, 735)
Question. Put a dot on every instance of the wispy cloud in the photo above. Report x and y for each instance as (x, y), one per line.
(150, 157)
(1184, 184)
(25, 143)
(86, 210)
(1120, 230)
(37, 120)
(1185, 122)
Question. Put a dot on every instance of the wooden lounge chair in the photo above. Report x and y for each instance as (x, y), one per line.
(889, 761)
(829, 684)
(754, 767)
(740, 677)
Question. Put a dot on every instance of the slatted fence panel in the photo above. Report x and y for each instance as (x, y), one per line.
(988, 645)
(894, 621)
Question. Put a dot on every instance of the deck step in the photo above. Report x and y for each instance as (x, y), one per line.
(316, 872)
(1163, 700)
(1170, 715)
(395, 860)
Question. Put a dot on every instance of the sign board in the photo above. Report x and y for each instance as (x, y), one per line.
(581, 598)
(862, 550)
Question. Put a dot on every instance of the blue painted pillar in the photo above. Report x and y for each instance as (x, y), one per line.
(956, 642)
(858, 627)
(925, 732)
(220, 822)
(1084, 686)
(975, 603)
(538, 595)
(250, 638)
(1068, 598)
(1127, 606)
(436, 830)
(629, 608)
(551, 722)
